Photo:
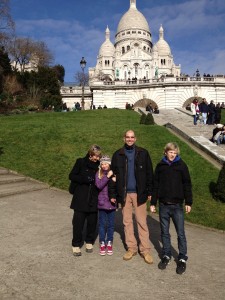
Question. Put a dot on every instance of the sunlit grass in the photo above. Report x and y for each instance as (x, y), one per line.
(45, 146)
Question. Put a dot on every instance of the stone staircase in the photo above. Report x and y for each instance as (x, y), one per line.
(12, 183)
(180, 121)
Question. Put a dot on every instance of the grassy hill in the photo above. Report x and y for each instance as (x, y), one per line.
(45, 146)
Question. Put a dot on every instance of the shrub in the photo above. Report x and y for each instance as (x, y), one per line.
(32, 107)
(20, 98)
(149, 120)
(51, 100)
(16, 111)
(6, 98)
(142, 119)
(219, 193)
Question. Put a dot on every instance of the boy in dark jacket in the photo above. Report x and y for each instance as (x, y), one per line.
(172, 185)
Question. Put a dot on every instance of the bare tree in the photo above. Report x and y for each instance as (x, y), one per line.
(26, 53)
(42, 53)
(11, 85)
(20, 51)
(7, 25)
(81, 78)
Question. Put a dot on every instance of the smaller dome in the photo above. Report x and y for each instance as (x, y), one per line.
(162, 46)
(107, 48)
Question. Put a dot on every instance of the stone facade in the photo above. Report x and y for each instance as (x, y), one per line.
(134, 71)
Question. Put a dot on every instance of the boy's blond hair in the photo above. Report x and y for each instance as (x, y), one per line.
(172, 146)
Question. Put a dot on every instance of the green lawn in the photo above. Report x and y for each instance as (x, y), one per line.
(45, 146)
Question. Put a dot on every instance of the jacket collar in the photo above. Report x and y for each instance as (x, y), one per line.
(165, 160)
(136, 148)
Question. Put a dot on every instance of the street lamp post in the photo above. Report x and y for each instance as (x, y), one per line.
(197, 75)
(82, 65)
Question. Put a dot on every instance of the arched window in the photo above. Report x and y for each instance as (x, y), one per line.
(136, 69)
(128, 48)
(123, 50)
(144, 48)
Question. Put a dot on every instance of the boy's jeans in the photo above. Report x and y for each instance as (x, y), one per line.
(176, 213)
(106, 225)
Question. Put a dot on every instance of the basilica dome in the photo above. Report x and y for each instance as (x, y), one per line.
(133, 19)
(107, 48)
(162, 46)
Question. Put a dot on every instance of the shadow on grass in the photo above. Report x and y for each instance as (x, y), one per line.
(212, 187)
(1, 151)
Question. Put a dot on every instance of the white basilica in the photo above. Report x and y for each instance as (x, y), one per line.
(133, 54)
(134, 71)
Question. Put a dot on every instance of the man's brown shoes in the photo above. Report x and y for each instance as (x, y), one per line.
(147, 258)
(129, 254)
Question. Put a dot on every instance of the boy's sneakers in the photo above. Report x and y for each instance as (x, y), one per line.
(164, 262)
(102, 249)
(181, 266)
(109, 248)
(76, 251)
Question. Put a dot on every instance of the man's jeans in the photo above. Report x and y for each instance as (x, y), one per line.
(106, 225)
(176, 213)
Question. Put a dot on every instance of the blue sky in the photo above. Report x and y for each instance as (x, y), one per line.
(194, 29)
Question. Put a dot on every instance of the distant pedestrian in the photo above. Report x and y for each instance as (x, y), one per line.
(77, 106)
(85, 199)
(203, 106)
(172, 185)
(217, 114)
(212, 112)
(106, 207)
(218, 136)
(195, 110)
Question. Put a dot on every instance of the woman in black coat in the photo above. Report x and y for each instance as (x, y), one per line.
(85, 199)
(217, 114)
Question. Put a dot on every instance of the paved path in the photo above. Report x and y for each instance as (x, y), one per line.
(36, 260)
